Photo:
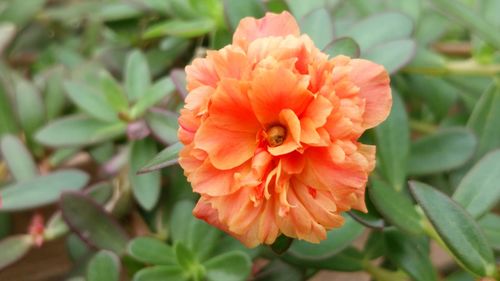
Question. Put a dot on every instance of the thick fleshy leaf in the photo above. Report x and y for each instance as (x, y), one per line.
(163, 125)
(335, 242)
(91, 101)
(343, 46)
(78, 131)
(395, 207)
(18, 158)
(151, 251)
(180, 28)
(490, 224)
(14, 248)
(232, 266)
(29, 106)
(146, 187)
(92, 224)
(443, 151)
(163, 273)
(393, 144)
(318, 25)
(185, 257)
(278, 270)
(153, 95)
(479, 190)
(137, 75)
(402, 51)
(165, 158)
(456, 229)
(104, 266)
(349, 259)
(410, 254)
(41, 190)
(234, 11)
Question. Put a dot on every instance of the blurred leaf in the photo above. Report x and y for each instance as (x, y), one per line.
(375, 245)
(445, 150)
(181, 28)
(163, 273)
(41, 190)
(459, 276)
(151, 251)
(180, 220)
(381, 29)
(104, 266)
(163, 125)
(18, 158)
(412, 8)
(77, 248)
(78, 131)
(465, 16)
(7, 33)
(430, 28)
(342, 46)
(185, 257)
(490, 225)
(18, 12)
(276, 6)
(393, 143)
(178, 76)
(402, 51)
(153, 95)
(395, 207)
(14, 248)
(202, 238)
(7, 119)
(278, 270)
(232, 266)
(92, 224)
(456, 228)
(54, 96)
(113, 92)
(146, 187)
(350, 259)
(90, 101)
(410, 255)
(336, 241)
(479, 190)
(485, 120)
(300, 8)
(5, 225)
(281, 244)
(117, 11)
(137, 75)
(55, 227)
(29, 105)
(318, 25)
(234, 11)
(165, 158)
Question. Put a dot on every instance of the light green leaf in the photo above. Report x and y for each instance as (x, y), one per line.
(78, 131)
(278, 270)
(151, 251)
(7, 33)
(14, 248)
(163, 125)
(113, 92)
(180, 28)
(232, 266)
(8, 122)
(42, 190)
(18, 12)
(104, 266)
(318, 25)
(165, 158)
(300, 8)
(146, 187)
(18, 158)
(402, 52)
(185, 257)
(490, 225)
(54, 97)
(153, 95)
(343, 46)
(29, 105)
(237, 10)
(90, 101)
(163, 273)
(456, 228)
(137, 75)
(92, 224)
(443, 151)
(479, 190)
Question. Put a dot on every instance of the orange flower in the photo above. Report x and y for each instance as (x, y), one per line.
(270, 129)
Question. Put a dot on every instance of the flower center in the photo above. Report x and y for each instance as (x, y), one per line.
(276, 135)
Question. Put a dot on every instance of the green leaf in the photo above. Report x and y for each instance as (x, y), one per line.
(18, 158)
(185, 257)
(78, 131)
(431, 27)
(281, 244)
(7, 119)
(90, 101)
(104, 266)
(300, 8)
(402, 52)
(411, 255)
(467, 17)
(318, 25)
(278, 270)
(180, 28)
(40, 191)
(343, 46)
(380, 29)
(146, 187)
(479, 191)
(180, 220)
(393, 144)
(153, 95)
(490, 225)
(137, 75)
(29, 105)
(165, 158)
(232, 266)
(485, 119)
(54, 97)
(234, 11)
(18, 12)
(77, 248)
(349, 259)
(113, 92)
(337, 240)
(5, 225)
(395, 207)
(443, 151)
(163, 125)
(14, 248)
(163, 273)
(456, 228)
(7, 33)
(92, 224)
(151, 251)
(202, 238)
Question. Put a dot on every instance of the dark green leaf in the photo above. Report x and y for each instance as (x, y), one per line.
(278, 270)
(236, 10)
(300, 8)
(181, 28)
(137, 75)
(456, 228)
(318, 25)
(7, 119)
(41, 190)
(146, 187)
(402, 51)
(343, 46)
(232, 266)
(165, 158)
(90, 101)
(104, 266)
(281, 244)
(13, 249)
(163, 273)
(151, 251)
(18, 158)
(54, 96)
